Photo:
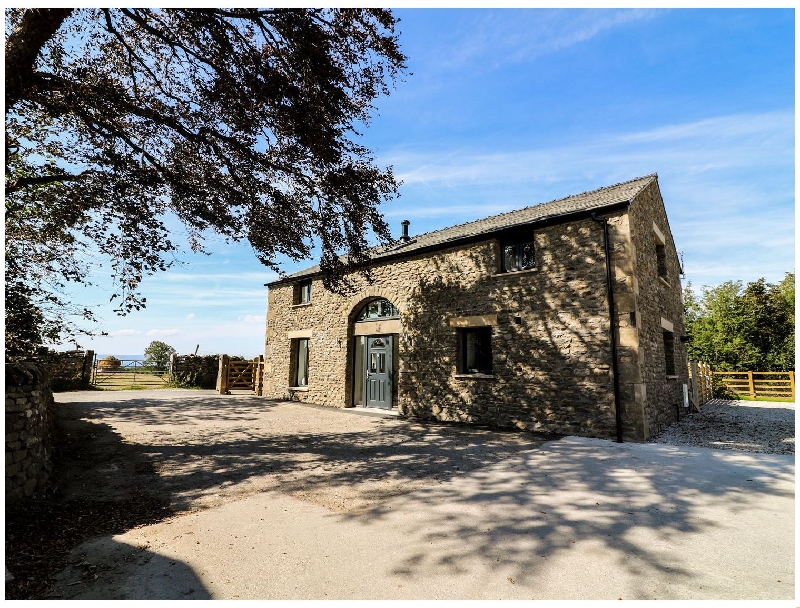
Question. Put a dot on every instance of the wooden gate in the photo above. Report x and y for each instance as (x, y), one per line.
(240, 375)
(700, 385)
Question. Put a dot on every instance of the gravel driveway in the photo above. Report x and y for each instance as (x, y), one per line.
(198, 449)
(765, 427)
(126, 459)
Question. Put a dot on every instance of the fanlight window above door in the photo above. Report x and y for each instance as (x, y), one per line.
(378, 309)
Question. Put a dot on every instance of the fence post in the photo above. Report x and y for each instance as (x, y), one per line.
(708, 392)
(752, 385)
(258, 374)
(88, 365)
(173, 364)
(222, 377)
(695, 382)
(791, 383)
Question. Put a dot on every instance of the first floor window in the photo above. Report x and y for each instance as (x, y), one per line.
(661, 261)
(669, 353)
(302, 292)
(518, 256)
(301, 374)
(476, 350)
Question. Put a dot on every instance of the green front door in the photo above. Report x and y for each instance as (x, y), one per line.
(379, 371)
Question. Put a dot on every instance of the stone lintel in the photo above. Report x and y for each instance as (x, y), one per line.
(300, 333)
(478, 321)
(372, 328)
(667, 325)
(659, 235)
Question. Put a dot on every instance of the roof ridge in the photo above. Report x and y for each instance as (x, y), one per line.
(556, 200)
(540, 212)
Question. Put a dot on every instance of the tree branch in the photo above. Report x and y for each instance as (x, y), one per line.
(25, 182)
(38, 25)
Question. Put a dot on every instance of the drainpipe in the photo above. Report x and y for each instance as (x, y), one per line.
(610, 288)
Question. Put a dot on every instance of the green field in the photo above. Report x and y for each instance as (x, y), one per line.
(119, 380)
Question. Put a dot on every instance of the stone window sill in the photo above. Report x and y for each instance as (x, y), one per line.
(301, 389)
(512, 273)
(672, 377)
(475, 376)
(664, 282)
(301, 305)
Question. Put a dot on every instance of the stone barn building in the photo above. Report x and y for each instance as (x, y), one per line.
(505, 321)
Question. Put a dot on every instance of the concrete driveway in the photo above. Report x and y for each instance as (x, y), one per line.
(565, 519)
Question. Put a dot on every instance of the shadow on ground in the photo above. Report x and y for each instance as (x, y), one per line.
(158, 454)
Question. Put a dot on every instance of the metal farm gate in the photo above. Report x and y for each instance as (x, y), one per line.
(118, 374)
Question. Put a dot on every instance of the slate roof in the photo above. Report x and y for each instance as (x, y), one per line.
(578, 203)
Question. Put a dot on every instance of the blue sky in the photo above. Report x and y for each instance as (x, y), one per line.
(508, 108)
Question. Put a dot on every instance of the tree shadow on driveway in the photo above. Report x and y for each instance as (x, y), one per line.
(512, 500)
(656, 521)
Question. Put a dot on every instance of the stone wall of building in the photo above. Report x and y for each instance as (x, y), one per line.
(550, 333)
(29, 423)
(659, 308)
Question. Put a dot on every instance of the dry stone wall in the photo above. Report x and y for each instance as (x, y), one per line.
(29, 422)
(195, 370)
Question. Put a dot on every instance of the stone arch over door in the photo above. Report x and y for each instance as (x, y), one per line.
(392, 326)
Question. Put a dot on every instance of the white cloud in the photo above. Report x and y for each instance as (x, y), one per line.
(259, 319)
(164, 332)
(512, 36)
(190, 316)
(124, 332)
(727, 142)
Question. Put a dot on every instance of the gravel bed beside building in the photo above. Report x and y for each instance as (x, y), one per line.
(747, 426)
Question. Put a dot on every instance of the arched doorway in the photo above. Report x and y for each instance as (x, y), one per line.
(376, 327)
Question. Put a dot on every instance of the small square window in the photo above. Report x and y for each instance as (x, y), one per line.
(518, 256)
(302, 293)
(476, 350)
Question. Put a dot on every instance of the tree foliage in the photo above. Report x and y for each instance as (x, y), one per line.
(740, 328)
(157, 354)
(240, 122)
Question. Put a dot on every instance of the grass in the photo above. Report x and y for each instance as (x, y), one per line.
(749, 398)
(130, 387)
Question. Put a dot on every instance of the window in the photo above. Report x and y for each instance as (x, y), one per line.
(302, 293)
(518, 256)
(669, 352)
(378, 309)
(661, 258)
(300, 351)
(476, 350)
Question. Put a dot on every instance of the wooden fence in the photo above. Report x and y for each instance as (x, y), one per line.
(758, 384)
(701, 386)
